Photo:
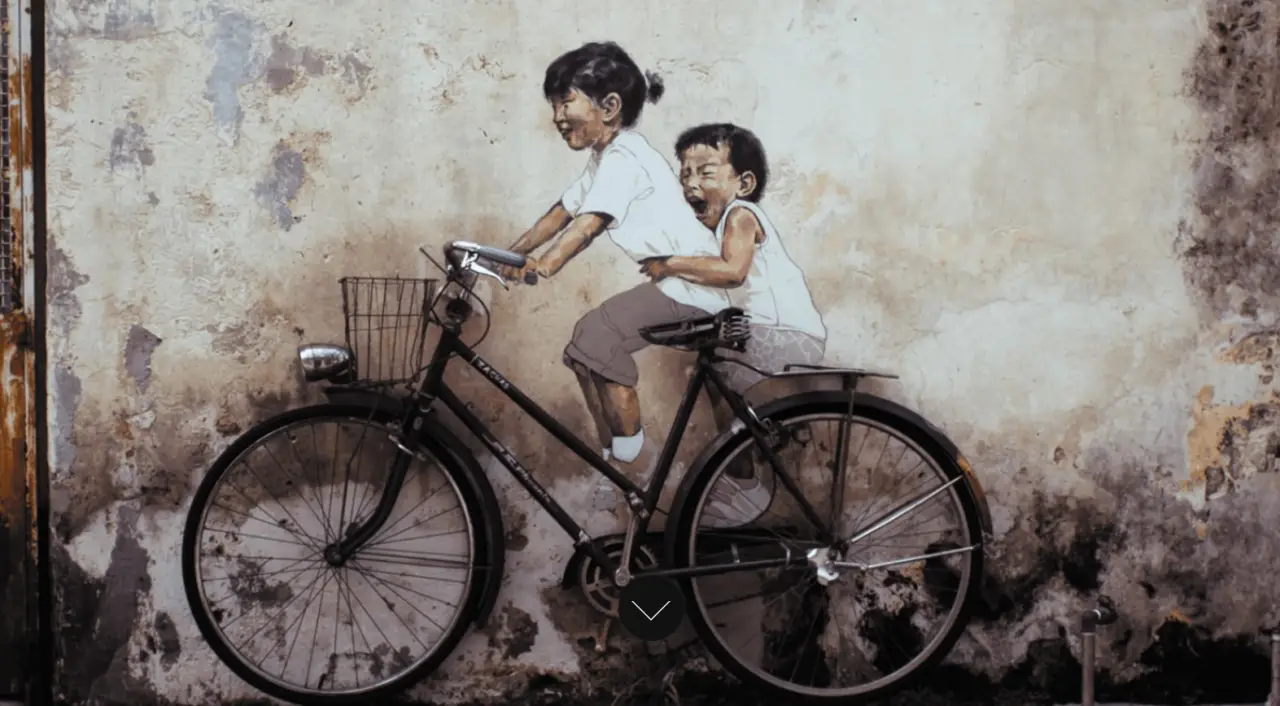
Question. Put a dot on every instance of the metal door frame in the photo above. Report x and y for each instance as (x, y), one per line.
(23, 471)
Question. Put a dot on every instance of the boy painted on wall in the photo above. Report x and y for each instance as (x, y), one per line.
(723, 171)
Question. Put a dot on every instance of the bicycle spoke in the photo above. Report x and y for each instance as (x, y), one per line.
(301, 494)
(421, 537)
(276, 498)
(391, 525)
(389, 539)
(264, 538)
(324, 510)
(342, 515)
(304, 539)
(284, 607)
(365, 576)
(390, 584)
(294, 572)
(299, 619)
(911, 560)
(896, 514)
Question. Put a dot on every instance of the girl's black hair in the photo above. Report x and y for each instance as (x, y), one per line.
(746, 153)
(598, 69)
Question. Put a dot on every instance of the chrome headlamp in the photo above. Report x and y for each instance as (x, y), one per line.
(326, 361)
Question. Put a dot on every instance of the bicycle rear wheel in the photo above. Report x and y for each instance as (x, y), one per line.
(851, 635)
(289, 622)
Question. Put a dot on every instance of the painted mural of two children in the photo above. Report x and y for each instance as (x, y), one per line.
(700, 237)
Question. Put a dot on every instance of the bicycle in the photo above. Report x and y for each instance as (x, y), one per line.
(400, 407)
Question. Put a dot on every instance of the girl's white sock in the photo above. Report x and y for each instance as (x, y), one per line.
(627, 448)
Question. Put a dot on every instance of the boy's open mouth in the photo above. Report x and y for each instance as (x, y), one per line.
(699, 206)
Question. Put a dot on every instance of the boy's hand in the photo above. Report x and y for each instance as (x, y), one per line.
(655, 268)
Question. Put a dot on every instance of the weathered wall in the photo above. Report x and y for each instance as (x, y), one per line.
(1055, 219)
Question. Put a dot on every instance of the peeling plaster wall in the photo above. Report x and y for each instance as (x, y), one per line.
(1055, 219)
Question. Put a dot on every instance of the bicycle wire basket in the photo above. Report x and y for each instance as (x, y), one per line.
(386, 326)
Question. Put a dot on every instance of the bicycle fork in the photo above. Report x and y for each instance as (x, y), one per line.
(351, 540)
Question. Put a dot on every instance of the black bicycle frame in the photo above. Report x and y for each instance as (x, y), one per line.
(642, 501)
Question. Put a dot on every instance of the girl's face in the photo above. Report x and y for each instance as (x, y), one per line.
(582, 123)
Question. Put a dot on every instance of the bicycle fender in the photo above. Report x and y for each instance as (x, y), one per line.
(367, 398)
(949, 447)
(717, 445)
(495, 552)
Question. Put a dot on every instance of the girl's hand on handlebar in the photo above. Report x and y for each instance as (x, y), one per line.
(519, 274)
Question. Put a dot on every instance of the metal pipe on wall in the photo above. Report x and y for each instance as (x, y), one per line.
(1103, 614)
(1274, 698)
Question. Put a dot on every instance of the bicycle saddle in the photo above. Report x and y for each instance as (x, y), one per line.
(727, 329)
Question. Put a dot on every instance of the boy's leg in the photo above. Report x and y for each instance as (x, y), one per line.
(749, 490)
(739, 379)
(724, 418)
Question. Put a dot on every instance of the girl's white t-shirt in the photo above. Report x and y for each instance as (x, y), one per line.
(774, 293)
(633, 184)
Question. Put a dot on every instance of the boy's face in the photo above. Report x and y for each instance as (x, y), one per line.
(580, 122)
(711, 183)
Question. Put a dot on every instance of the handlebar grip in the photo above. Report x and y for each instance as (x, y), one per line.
(531, 277)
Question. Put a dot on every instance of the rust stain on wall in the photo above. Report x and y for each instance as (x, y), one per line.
(14, 418)
(13, 414)
(1254, 348)
(20, 159)
(1205, 441)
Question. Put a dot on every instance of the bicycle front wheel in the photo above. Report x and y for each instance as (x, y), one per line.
(852, 618)
(301, 627)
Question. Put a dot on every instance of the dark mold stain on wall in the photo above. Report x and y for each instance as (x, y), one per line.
(240, 58)
(129, 148)
(96, 619)
(512, 632)
(138, 348)
(285, 65)
(129, 19)
(1231, 248)
(1233, 238)
(232, 42)
(166, 640)
(282, 183)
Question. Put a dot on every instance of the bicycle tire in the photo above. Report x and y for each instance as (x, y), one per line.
(190, 548)
(693, 489)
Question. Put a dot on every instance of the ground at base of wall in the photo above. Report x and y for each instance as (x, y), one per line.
(722, 695)
(948, 686)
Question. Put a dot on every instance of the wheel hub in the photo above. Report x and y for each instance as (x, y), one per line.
(333, 555)
(823, 561)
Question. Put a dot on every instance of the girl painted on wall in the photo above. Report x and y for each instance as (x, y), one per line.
(628, 190)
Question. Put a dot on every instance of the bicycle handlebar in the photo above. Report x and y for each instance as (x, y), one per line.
(498, 255)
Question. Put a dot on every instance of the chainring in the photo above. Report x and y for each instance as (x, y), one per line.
(596, 584)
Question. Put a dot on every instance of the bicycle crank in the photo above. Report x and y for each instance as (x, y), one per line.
(595, 582)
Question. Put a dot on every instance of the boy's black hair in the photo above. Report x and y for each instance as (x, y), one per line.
(746, 153)
(598, 69)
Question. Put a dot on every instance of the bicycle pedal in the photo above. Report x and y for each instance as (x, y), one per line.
(599, 638)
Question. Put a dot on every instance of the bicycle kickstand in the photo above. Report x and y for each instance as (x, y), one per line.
(599, 637)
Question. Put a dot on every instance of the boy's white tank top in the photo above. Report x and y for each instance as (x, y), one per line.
(774, 293)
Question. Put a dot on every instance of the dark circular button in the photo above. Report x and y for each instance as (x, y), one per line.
(651, 608)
